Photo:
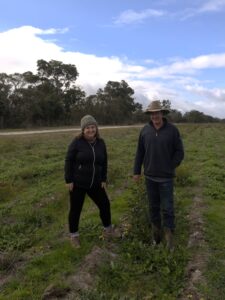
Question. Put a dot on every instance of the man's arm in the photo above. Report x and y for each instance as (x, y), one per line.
(140, 152)
(178, 155)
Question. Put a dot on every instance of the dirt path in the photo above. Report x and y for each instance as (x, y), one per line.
(199, 248)
(26, 132)
(85, 277)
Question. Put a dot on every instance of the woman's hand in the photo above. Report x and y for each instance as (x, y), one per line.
(103, 185)
(70, 186)
(136, 177)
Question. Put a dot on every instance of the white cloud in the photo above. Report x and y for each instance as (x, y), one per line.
(22, 47)
(212, 6)
(210, 101)
(131, 16)
(214, 93)
(188, 66)
(50, 30)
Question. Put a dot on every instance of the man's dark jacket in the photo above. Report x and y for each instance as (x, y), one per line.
(86, 163)
(160, 151)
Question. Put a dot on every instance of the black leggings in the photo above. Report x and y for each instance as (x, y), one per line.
(98, 195)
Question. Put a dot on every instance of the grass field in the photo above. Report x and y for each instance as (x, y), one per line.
(37, 260)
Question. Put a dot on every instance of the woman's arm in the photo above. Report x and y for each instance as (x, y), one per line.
(70, 161)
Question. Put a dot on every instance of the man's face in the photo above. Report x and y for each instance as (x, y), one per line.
(157, 117)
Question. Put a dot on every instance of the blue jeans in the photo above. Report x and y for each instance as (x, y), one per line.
(160, 197)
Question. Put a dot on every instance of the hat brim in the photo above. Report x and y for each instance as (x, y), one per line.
(148, 112)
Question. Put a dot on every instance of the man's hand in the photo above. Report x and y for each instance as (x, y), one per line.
(70, 186)
(103, 185)
(136, 177)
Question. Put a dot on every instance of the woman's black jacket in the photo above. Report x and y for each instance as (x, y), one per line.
(86, 163)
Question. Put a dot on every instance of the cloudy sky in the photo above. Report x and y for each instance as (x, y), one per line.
(164, 49)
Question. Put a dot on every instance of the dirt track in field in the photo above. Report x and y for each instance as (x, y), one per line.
(198, 246)
(26, 132)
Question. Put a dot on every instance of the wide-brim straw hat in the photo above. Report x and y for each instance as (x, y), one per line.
(155, 106)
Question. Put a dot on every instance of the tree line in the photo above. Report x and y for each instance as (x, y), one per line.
(51, 98)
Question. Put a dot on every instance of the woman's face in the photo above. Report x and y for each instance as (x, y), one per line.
(90, 132)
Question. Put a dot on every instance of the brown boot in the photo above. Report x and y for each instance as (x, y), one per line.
(110, 232)
(156, 232)
(169, 239)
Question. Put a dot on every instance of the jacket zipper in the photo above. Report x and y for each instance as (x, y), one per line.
(93, 176)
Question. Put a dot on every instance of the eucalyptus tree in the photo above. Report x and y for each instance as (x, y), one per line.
(117, 101)
(62, 76)
(5, 88)
(58, 86)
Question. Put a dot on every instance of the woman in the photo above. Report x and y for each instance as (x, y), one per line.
(86, 173)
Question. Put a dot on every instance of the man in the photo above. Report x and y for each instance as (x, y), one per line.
(160, 150)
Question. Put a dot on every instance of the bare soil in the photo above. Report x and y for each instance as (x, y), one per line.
(85, 277)
(198, 246)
